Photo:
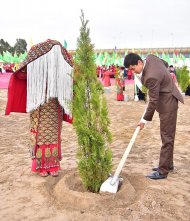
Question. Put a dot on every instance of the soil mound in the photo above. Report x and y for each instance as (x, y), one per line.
(70, 192)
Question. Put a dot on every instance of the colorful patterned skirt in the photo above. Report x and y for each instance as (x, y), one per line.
(120, 95)
(45, 128)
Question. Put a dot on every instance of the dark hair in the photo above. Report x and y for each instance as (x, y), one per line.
(131, 59)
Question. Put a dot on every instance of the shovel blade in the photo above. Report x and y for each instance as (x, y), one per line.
(107, 186)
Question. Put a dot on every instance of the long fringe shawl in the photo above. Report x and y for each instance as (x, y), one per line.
(50, 76)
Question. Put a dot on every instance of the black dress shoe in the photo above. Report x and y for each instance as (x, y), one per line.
(156, 176)
(156, 168)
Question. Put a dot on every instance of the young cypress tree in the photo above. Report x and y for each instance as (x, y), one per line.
(90, 115)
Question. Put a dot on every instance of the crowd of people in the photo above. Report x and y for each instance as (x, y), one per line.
(5, 68)
(121, 73)
(113, 70)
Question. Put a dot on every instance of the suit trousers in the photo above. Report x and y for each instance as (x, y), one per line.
(167, 132)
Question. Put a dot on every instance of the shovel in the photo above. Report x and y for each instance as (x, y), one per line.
(112, 183)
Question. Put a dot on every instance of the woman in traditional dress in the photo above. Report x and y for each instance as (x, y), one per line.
(119, 85)
(46, 75)
(106, 78)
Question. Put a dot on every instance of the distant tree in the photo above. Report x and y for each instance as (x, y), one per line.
(90, 114)
(20, 46)
(5, 46)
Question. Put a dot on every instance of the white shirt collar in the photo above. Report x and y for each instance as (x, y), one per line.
(144, 62)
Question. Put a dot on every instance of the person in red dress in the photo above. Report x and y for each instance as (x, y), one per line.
(106, 78)
(119, 85)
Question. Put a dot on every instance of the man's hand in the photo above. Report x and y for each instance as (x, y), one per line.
(141, 125)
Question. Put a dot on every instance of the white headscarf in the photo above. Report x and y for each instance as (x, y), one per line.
(50, 76)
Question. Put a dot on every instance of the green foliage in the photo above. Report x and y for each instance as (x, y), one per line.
(19, 49)
(20, 46)
(5, 46)
(183, 78)
(90, 116)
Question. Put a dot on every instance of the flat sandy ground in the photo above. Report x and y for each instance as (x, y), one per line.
(26, 196)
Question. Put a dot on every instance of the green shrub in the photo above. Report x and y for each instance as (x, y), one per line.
(90, 113)
(183, 78)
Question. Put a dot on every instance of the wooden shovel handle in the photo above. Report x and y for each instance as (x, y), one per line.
(126, 153)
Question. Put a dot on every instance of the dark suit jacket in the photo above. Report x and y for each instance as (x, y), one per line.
(163, 93)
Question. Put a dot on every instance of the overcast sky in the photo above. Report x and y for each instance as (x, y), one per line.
(120, 23)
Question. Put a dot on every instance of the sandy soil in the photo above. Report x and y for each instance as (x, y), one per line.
(26, 196)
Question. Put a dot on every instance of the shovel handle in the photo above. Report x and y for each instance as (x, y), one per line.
(126, 153)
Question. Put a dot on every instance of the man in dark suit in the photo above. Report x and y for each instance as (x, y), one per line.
(163, 97)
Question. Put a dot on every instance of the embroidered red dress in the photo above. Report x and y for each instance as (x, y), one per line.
(45, 124)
